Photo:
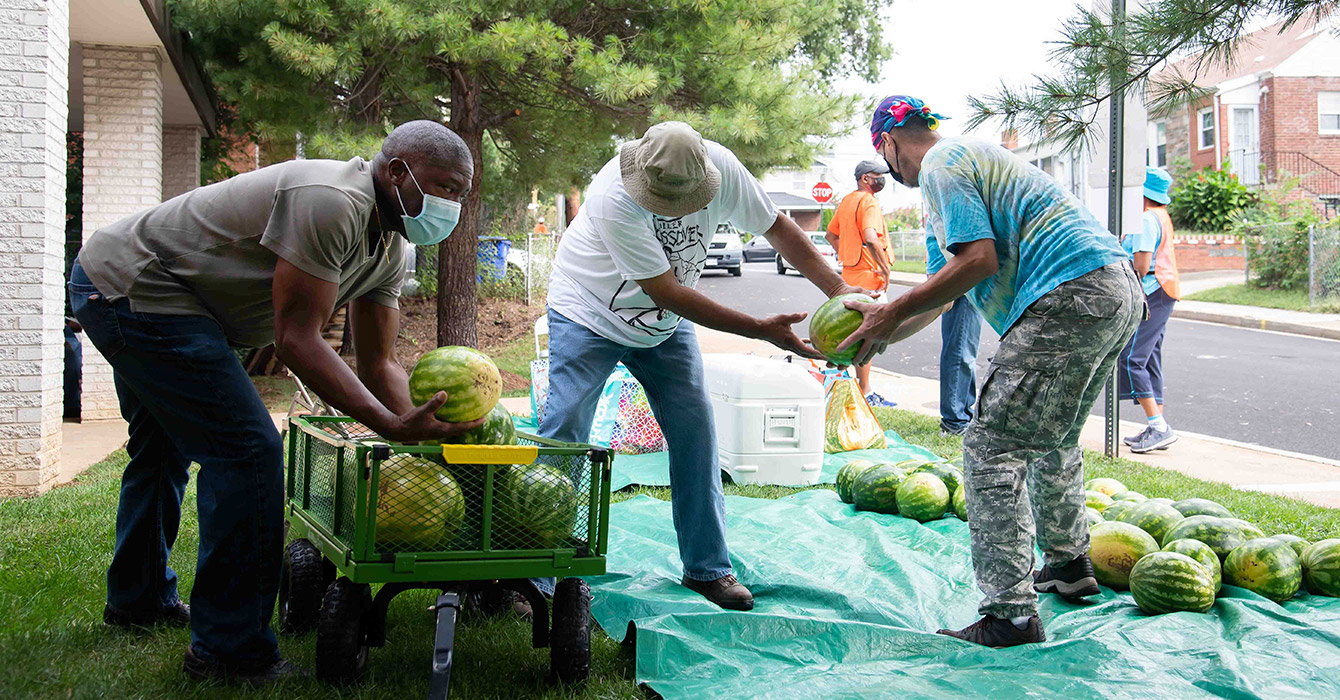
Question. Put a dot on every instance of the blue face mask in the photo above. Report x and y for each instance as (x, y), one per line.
(435, 221)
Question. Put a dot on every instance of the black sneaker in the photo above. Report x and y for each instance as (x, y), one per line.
(176, 615)
(1074, 580)
(997, 633)
(254, 676)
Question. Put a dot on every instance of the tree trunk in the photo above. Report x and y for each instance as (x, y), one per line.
(573, 202)
(456, 257)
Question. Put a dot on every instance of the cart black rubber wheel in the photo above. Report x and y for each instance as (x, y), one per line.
(341, 648)
(570, 640)
(781, 266)
(301, 585)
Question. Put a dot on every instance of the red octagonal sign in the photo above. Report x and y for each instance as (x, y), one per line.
(822, 192)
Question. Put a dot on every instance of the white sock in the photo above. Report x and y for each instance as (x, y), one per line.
(1157, 423)
(1021, 622)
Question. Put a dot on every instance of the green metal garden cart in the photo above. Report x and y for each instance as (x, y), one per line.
(458, 519)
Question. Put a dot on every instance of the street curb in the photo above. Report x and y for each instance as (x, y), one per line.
(1257, 324)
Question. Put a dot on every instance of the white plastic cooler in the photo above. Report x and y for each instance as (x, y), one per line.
(769, 419)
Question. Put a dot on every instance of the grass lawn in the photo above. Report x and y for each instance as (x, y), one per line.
(54, 551)
(515, 357)
(1248, 295)
(915, 266)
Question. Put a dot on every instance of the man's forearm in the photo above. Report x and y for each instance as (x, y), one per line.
(698, 308)
(317, 365)
(943, 288)
(390, 384)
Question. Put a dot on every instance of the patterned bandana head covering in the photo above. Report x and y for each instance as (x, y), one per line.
(894, 111)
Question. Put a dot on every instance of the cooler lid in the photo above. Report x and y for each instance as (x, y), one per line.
(736, 376)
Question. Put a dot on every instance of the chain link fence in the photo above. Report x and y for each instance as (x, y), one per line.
(1323, 266)
(908, 245)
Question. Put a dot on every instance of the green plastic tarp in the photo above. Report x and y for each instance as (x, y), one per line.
(848, 603)
(653, 469)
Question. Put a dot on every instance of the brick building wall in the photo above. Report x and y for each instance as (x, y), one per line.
(1289, 119)
(807, 220)
(1204, 253)
(181, 159)
(34, 67)
(1206, 158)
(123, 166)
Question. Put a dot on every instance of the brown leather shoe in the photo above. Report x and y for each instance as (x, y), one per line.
(726, 592)
(176, 615)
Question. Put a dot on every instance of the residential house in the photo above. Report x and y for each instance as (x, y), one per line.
(791, 190)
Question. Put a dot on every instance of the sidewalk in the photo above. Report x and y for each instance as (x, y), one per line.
(1245, 467)
(1254, 317)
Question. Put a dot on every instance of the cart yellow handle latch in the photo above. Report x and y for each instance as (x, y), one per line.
(490, 454)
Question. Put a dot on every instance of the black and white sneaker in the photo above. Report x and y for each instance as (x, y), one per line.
(1074, 580)
(997, 633)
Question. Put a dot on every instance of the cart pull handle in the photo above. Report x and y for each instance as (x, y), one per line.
(490, 454)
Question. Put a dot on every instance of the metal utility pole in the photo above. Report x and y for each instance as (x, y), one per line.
(1115, 185)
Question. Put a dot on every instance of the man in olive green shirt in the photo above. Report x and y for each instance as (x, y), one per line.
(264, 257)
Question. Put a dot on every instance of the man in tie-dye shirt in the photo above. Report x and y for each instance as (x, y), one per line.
(1060, 291)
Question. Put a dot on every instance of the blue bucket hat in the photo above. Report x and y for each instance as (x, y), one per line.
(1157, 182)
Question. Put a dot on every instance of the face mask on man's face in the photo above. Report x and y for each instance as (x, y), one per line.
(893, 172)
(435, 221)
(876, 184)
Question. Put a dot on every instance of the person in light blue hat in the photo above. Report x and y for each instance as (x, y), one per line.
(1140, 369)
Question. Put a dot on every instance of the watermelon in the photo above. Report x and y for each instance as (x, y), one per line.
(1165, 582)
(922, 497)
(1155, 518)
(469, 377)
(1093, 516)
(1117, 509)
(1115, 548)
(951, 476)
(535, 507)
(960, 504)
(877, 489)
(419, 506)
(1267, 567)
(831, 325)
(1248, 530)
(498, 429)
(1203, 555)
(1097, 501)
(1107, 487)
(846, 477)
(1201, 506)
(1222, 536)
(1299, 544)
(1133, 496)
(1321, 567)
(1165, 501)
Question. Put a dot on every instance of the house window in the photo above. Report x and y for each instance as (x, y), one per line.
(1205, 122)
(1157, 153)
(798, 180)
(1328, 112)
(1046, 164)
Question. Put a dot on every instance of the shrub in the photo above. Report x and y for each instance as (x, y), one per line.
(1276, 232)
(1210, 200)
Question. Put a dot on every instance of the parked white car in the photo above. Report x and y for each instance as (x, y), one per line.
(825, 250)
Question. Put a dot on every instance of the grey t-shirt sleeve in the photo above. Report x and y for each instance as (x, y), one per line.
(312, 227)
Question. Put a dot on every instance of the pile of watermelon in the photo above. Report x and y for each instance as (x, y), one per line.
(922, 490)
(1175, 555)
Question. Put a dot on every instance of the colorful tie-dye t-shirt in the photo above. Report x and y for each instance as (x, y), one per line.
(973, 190)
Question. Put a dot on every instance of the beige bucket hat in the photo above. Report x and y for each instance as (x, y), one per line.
(667, 171)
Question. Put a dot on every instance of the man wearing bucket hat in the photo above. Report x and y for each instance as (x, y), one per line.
(1140, 369)
(623, 279)
(1060, 291)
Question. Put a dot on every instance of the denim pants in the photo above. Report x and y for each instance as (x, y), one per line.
(960, 333)
(1140, 369)
(187, 399)
(74, 363)
(672, 373)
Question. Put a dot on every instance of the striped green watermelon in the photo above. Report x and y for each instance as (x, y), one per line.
(1107, 487)
(846, 477)
(1222, 536)
(1321, 567)
(419, 506)
(1114, 549)
(1249, 531)
(950, 475)
(1267, 567)
(1164, 582)
(1155, 518)
(1097, 500)
(1299, 544)
(877, 489)
(1117, 509)
(1093, 516)
(959, 502)
(469, 377)
(922, 496)
(1133, 496)
(1165, 501)
(535, 507)
(1202, 553)
(831, 325)
(1201, 506)
(498, 429)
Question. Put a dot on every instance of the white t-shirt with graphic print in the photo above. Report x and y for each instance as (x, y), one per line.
(613, 242)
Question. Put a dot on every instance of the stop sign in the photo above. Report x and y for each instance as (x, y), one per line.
(822, 192)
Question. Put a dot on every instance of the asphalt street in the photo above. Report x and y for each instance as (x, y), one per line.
(1256, 387)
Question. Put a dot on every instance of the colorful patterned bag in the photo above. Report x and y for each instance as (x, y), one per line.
(623, 419)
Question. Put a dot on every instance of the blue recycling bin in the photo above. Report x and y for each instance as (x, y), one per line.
(492, 258)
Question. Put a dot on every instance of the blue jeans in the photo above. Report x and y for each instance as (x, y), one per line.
(74, 363)
(187, 399)
(960, 333)
(672, 373)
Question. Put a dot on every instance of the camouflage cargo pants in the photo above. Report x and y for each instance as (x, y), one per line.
(1022, 460)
